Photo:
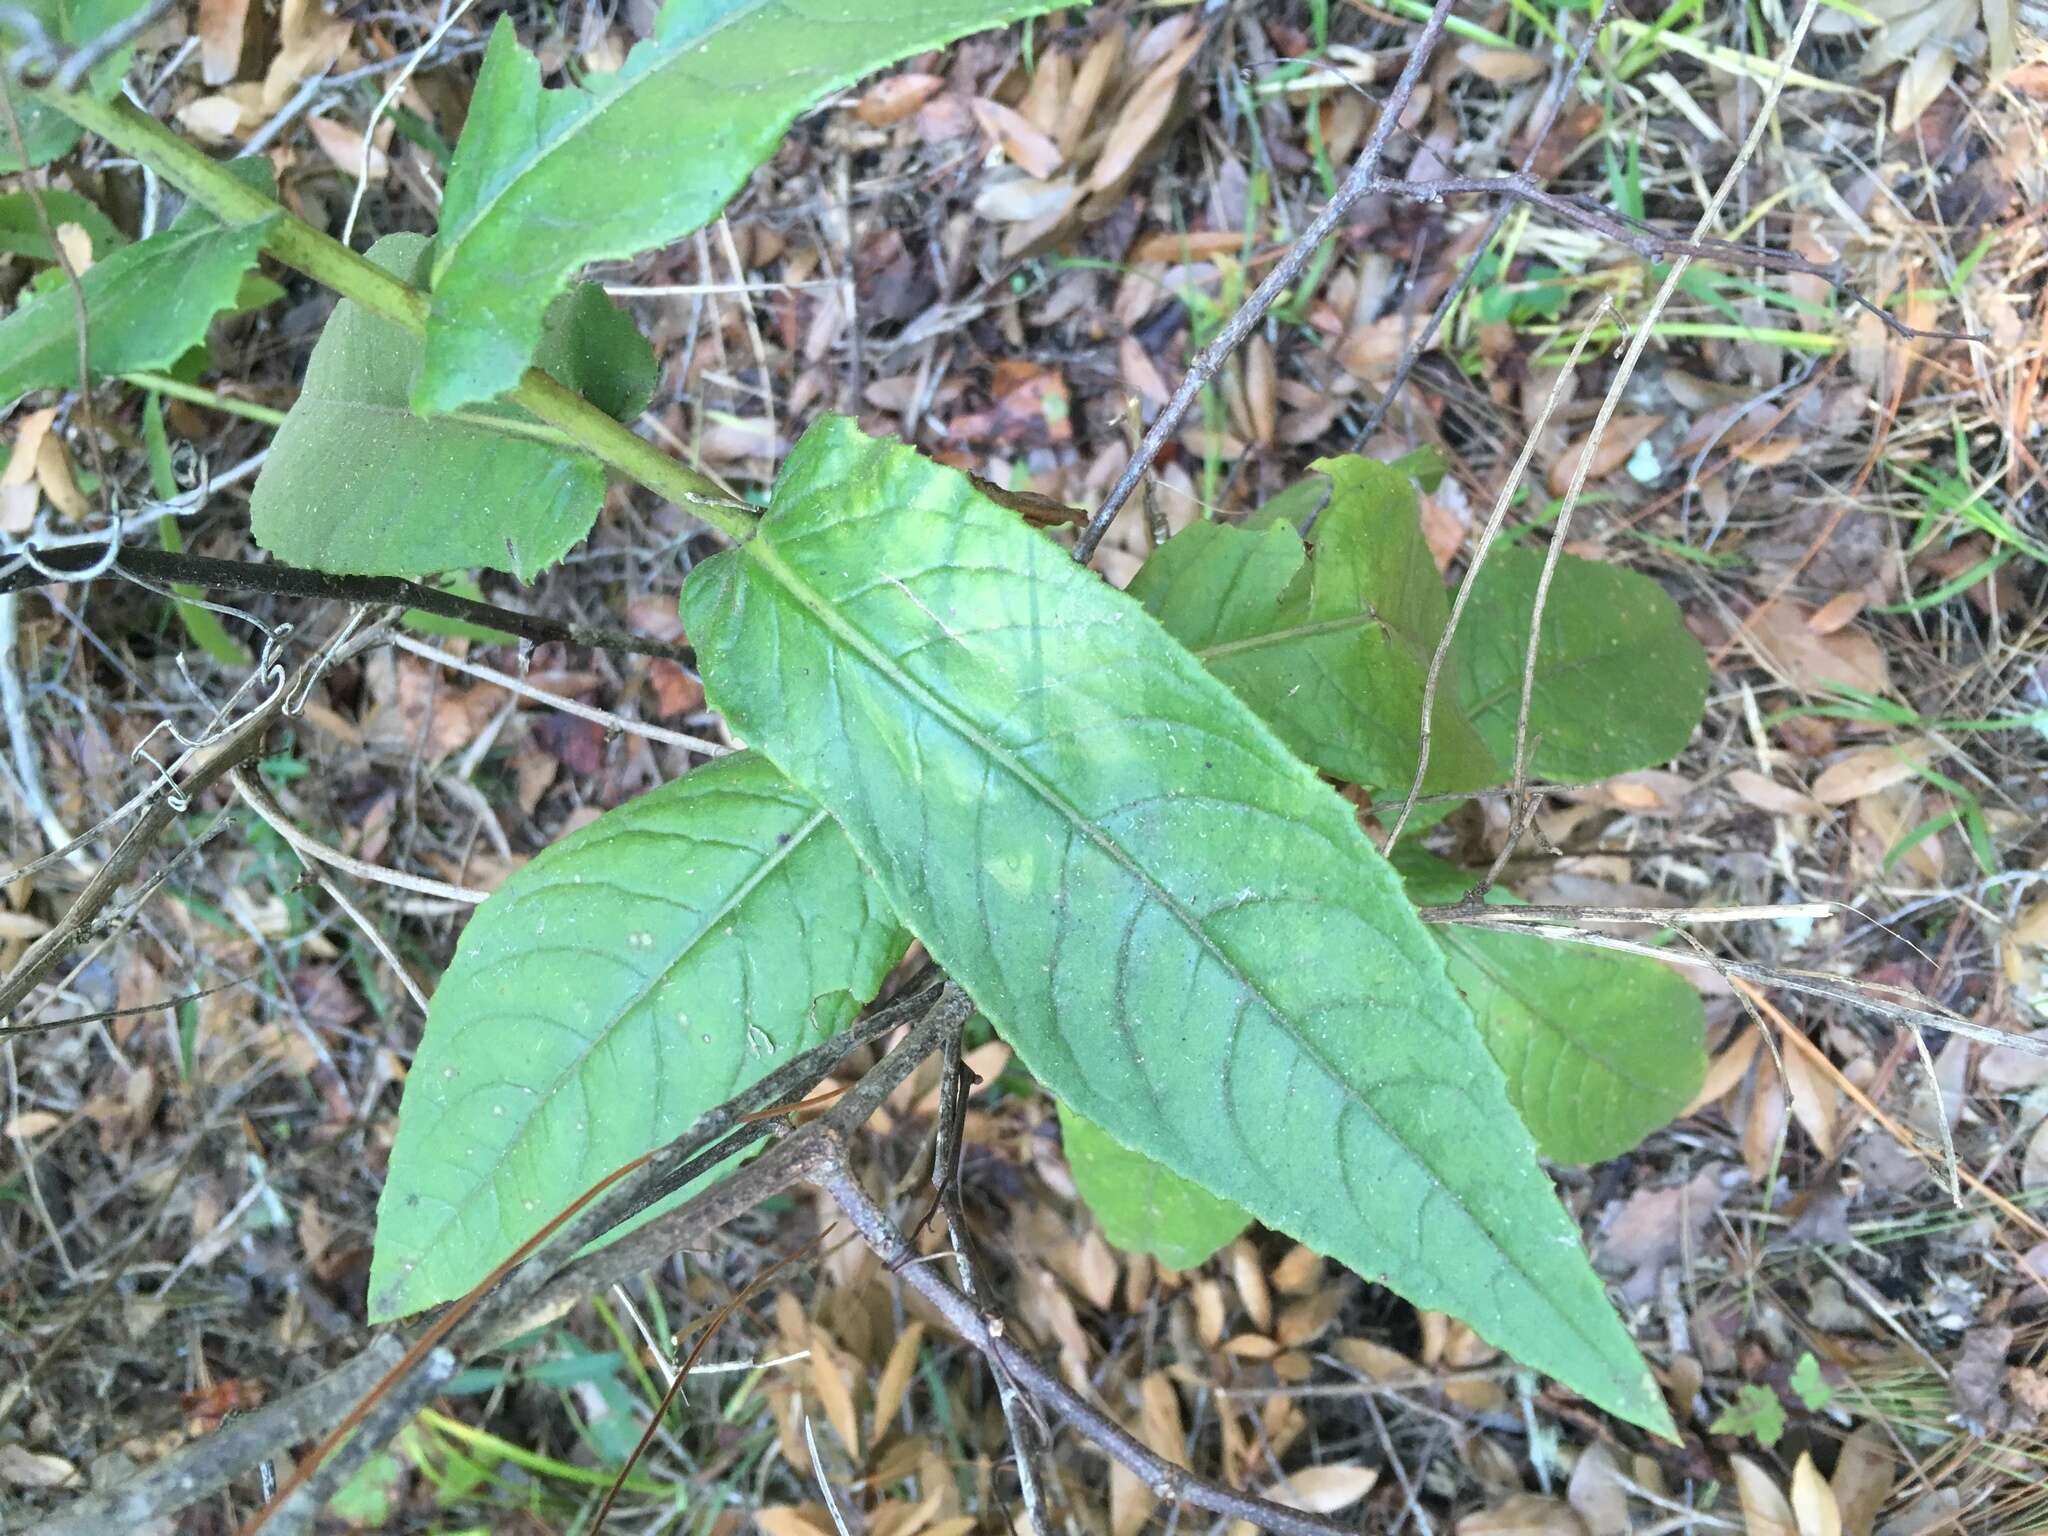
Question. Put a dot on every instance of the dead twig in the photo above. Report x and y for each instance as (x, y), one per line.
(1285, 272)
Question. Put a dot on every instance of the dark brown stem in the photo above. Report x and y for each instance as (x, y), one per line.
(1284, 274)
(291, 581)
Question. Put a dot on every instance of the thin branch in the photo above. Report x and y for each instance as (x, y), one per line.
(291, 581)
(526, 690)
(1284, 274)
(261, 801)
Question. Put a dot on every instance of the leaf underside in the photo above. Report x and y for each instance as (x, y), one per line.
(1143, 1205)
(1180, 928)
(546, 181)
(1599, 1049)
(1620, 681)
(637, 973)
(356, 483)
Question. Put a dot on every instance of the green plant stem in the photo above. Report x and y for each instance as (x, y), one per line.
(199, 394)
(327, 261)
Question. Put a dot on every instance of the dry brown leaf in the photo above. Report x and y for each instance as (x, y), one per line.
(1837, 611)
(1525, 1514)
(1177, 245)
(1596, 1494)
(1323, 1490)
(1251, 1346)
(1301, 1271)
(60, 486)
(1622, 437)
(1306, 1320)
(1249, 1276)
(343, 145)
(1142, 117)
(1021, 141)
(2034, 1166)
(1783, 639)
(1816, 1100)
(1765, 1511)
(1867, 770)
(1766, 1119)
(832, 1385)
(76, 243)
(1140, 374)
(792, 1520)
(31, 1123)
(309, 41)
(222, 30)
(1095, 1270)
(890, 101)
(218, 119)
(21, 1467)
(1261, 385)
(1502, 66)
(1863, 1479)
(18, 505)
(28, 442)
(1767, 794)
(895, 1379)
(1376, 1361)
(21, 925)
(1813, 1501)
(1024, 199)
(1208, 1297)
(1097, 66)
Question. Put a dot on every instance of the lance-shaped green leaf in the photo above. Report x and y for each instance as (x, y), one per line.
(1180, 928)
(146, 305)
(1599, 1048)
(1620, 681)
(1143, 1205)
(21, 231)
(637, 973)
(545, 181)
(357, 483)
(45, 131)
(1331, 643)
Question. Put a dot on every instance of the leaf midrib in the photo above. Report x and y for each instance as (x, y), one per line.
(782, 853)
(761, 549)
(1293, 632)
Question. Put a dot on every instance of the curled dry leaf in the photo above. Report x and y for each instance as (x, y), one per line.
(1021, 141)
(1526, 1514)
(1143, 115)
(1323, 1490)
(1813, 1501)
(1623, 436)
(1866, 771)
(1765, 1511)
(890, 101)
(1815, 1099)
(1782, 638)
(1767, 794)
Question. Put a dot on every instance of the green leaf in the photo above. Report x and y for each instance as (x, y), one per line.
(1599, 1049)
(1179, 927)
(21, 232)
(637, 973)
(46, 131)
(1331, 647)
(145, 304)
(1809, 1386)
(1620, 681)
(1143, 1205)
(545, 181)
(357, 483)
(1756, 1412)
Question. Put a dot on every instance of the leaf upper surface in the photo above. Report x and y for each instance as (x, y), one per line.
(45, 131)
(545, 181)
(146, 305)
(1620, 681)
(1330, 645)
(1599, 1048)
(357, 483)
(637, 973)
(1180, 928)
(1143, 1205)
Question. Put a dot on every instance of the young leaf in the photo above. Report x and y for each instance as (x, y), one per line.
(21, 232)
(145, 305)
(1600, 1049)
(357, 483)
(545, 181)
(45, 131)
(1180, 928)
(1330, 646)
(1143, 1205)
(1620, 681)
(635, 974)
